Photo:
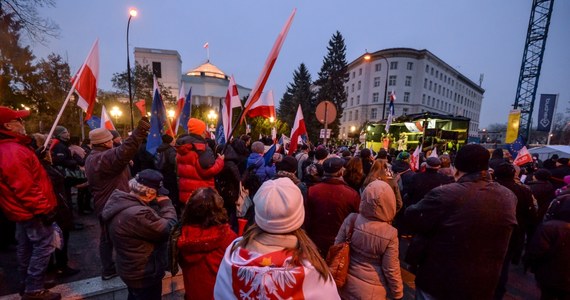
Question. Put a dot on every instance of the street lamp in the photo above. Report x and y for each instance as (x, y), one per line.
(116, 113)
(132, 13)
(171, 114)
(212, 116)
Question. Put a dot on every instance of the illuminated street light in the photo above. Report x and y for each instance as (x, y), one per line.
(271, 119)
(116, 113)
(132, 13)
(352, 128)
(171, 114)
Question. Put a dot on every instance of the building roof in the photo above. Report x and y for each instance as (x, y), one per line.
(157, 51)
(207, 69)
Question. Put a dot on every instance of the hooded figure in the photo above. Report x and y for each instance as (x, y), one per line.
(374, 270)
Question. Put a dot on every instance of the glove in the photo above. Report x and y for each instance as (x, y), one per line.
(41, 152)
(144, 124)
(48, 218)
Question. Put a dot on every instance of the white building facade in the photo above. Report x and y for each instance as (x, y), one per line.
(165, 64)
(421, 82)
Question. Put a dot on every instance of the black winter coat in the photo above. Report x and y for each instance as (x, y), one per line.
(466, 227)
(422, 183)
(543, 192)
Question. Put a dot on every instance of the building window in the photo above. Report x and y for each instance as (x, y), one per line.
(436, 73)
(406, 96)
(375, 97)
(157, 69)
(410, 66)
(356, 115)
(405, 111)
(427, 68)
(373, 113)
(359, 71)
(351, 101)
(392, 80)
(408, 80)
(378, 67)
(425, 83)
(429, 100)
(424, 99)
(349, 116)
(358, 100)
(394, 65)
(431, 71)
(353, 74)
(352, 88)
(376, 81)
(430, 84)
(359, 85)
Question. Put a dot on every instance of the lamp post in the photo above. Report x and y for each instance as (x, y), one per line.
(132, 13)
(116, 113)
(171, 114)
(212, 116)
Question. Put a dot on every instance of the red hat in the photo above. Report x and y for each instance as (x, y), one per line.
(7, 114)
(196, 126)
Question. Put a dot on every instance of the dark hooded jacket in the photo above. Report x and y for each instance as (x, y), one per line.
(140, 236)
(167, 166)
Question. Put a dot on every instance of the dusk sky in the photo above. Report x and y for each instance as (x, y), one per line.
(483, 36)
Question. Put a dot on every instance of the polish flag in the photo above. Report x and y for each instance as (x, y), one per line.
(232, 101)
(86, 85)
(179, 106)
(415, 159)
(265, 107)
(298, 130)
(141, 106)
(106, 121)
(523, 157)
(269, 63)
(434, 153)
(206, 45)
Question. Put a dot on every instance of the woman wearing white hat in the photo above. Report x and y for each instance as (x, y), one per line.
(275, 258)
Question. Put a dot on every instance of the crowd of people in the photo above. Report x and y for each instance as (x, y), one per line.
(243, 222)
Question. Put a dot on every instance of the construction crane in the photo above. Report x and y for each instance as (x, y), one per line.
(532, 62)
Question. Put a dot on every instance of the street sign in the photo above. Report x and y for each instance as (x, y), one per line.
(326, 111)
(322, 134)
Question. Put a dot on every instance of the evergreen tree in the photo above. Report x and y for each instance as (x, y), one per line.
(332, 78)
(299, 92)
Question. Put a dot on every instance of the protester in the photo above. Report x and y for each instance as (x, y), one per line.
(497, 158)
(542, 190)
(165, 163)
(374, 267)
(313, 168)
(256, 162)
(275, 259)
(422, 183)
(328, 204)
(446, 167)
(301, 157)
(401, 166)
(107, 169)
(547, 253)
(140, 233)
(526, 216)
(561, 170)
(196, 163)
(27, 198)
(287, 168)
(117, 140)
(367, 160)
(463, 231)
(353, 173)
(228, 181)
(83, 195)
(205, 234)
(380, 171)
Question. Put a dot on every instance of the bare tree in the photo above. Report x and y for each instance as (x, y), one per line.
(25, 13)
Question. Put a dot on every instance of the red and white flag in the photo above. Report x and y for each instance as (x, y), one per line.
(434, 153)
(298, 130)
(415, 159)
(141, 106)
(265, 107)
(179, 106)
(106, 121)
(206, 45)
(232, 101)
(523, 157)
(269, 63)
(87, 77)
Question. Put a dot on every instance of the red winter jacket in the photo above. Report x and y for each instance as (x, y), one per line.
(25, 188)
(195, 170)
(201, 252)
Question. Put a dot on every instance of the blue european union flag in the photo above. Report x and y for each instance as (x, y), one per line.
(158, 122)
(515, 146)
(186, 111)
(269, 154)
(220, 139)
(94, 122)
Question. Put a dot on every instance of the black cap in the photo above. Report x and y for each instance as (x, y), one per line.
(321, 153)
(333, 164)
(472, 158)
(433, 162)
(287, 164)
(152, 179)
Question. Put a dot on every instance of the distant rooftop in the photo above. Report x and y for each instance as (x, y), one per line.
(207, 69)
(157, 51)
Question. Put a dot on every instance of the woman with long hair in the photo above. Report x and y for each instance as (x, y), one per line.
(380, 171)
(204, 236)
(353, 173)
(275, 259)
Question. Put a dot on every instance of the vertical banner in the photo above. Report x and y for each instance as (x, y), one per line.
(513, 126)
(546, 112)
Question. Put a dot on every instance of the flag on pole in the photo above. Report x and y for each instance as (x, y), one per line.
(186, 111)
(391, 111)
(141, 105)
(434, 153)
(179, 107)
(298, 130)
(516, 146)
(232, 101)
(269, 63)
(269, 154)
(94, 122)
(265, 107)
(159, 123)
(220, 128)
(415, 158)
(523, 157)
(206, 45)
(106, 121)
(86, 77)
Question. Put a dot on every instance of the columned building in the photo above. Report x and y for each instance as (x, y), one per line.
(420, 81)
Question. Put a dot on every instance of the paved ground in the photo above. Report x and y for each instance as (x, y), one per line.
(84, 255)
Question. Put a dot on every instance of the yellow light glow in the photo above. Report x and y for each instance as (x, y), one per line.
(133, 12)
(367, 57)
(352, 128)
(271, 119)
(171, 113)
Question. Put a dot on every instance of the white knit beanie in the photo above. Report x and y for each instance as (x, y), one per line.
(279, 206)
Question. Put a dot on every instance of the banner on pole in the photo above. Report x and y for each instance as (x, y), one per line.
(546, 112)
(513, 126)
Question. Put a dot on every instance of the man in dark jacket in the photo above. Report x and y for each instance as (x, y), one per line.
(547, 253)
(107, 169)
(422, 183)
(497, 158)
(27, 198)
(140, 233)
(328, 204)
(542, 190)
(465, 228)
(165, 163)
(526, 215)
(562, 169)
